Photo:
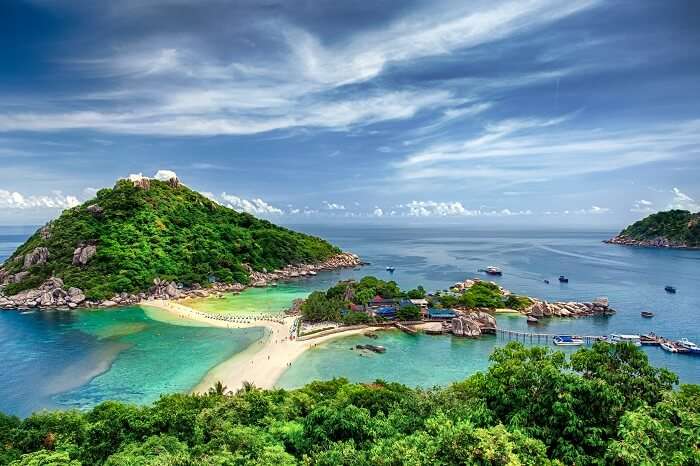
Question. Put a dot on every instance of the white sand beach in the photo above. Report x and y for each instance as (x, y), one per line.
(262, 363)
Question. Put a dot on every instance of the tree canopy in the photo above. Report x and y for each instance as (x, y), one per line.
(533, 406)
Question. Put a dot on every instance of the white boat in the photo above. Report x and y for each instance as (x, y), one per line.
(668, 346)
(491, 270)
(689, 345)
(623, 338)
(567, 340)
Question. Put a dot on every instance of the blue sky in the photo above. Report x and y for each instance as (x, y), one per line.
(578, 112)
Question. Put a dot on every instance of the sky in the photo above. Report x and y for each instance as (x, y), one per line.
(526, 112)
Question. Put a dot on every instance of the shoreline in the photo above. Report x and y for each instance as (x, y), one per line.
(263, 362)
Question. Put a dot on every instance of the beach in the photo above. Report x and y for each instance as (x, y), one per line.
(263, 362)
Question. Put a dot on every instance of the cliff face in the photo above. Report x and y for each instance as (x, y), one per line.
(670, 229)
(142, 230)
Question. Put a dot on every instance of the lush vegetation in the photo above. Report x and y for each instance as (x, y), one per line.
(166, 231)
(603, 406)
(679, 227)
(484, 294)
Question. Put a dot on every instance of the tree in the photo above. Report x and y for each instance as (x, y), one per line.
(218, 389)
(408, 312)
(416, 293)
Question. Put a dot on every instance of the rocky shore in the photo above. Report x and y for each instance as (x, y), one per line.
(659, 242)
(52, 294)
(568, 309)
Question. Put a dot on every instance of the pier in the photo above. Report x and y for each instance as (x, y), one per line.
(540, 337)
(406, 329)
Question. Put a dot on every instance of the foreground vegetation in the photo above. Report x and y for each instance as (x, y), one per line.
(166, 231)
(604, 405)
(676, 226)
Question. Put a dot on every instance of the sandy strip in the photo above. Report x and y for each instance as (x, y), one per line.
(263, 362)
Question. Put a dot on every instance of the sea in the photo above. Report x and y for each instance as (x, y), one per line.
(76, 359)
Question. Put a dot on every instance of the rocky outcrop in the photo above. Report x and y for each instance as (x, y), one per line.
(658, 242)
(569, 309)
(473, 324)
(37, 256)
(45, 232)
(83, 253)
(95, 210)
(296, 271)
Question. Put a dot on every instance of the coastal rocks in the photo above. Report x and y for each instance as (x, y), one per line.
(473, 324)
(50, 294)
(45, 232)
(83, 253)
(541, 309)
(38, 256)
(658, 242)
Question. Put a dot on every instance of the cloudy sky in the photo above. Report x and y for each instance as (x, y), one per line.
(576, 112)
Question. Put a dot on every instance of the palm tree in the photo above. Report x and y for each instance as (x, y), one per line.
(218, 389)
(247, 387)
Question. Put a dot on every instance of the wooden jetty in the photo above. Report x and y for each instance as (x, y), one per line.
(404, 328)
(540, 337)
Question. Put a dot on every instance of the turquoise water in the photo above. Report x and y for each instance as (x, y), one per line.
(77, 359)
(59, 359)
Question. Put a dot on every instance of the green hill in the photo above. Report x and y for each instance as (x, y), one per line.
(128, 235)
(673, 228)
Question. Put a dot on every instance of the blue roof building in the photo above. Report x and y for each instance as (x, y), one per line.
(435, 313)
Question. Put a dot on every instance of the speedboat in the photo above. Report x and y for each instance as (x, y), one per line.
(670, 289)
(567, 340)
(563, 279)
(689, 345)
(647, 314)
(622, 338)
(532, 320)
(390, 269)
(491, 270)
(650, 339)
(547, 282)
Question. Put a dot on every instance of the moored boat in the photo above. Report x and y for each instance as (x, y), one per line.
(563, 279)
(567, 340)
(390, 269)
(649, 339)
(491, 270)
(647, 314)
(670, 289)
(624, 338)
(532, 320)
(669, 346)
(689, 345)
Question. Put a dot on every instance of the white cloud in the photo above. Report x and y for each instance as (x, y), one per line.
(164, 175)
(643, 206)
(378, 212)
(16, 200)
(253, 206)
(333, 206)
(683, 201)
(438, 209)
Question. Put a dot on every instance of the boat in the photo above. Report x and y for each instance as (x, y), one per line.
(374, 348)
(669, 346)
(563, 279)
(647, 314)
(670, 289)
(390, 269)
(567, 340)
(532, 320)
(623, 338)
(547, 282)
(689, 345)
(649, 339)
(491, 270)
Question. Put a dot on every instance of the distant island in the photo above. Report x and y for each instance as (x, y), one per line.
(147, 238)
(669, 229)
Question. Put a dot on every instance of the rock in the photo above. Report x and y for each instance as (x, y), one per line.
(19, 276)
(95, 210)
(108, 303)
(52, 283)
(83, 253)
(3, 276)
(78, 298)
(72, 305)
(45, 232)
(46, 299)
(171, 290)
(465, 327)
(37, 257)
(73, 291)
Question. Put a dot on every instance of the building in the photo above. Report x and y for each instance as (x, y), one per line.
(435, 313)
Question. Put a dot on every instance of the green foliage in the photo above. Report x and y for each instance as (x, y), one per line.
(482, 294)
(516, 302)
(318, 307)
(533, 406)
(408, 312)
(677, 226)
(416, 293)
(169, 232)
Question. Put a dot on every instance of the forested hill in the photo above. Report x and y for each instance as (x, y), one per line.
(673, 228)
(139, 230)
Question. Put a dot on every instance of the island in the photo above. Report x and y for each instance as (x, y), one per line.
(149, 239)
(669, 229)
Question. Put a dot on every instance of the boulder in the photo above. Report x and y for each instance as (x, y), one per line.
(108, 303)
(95, 210)
(83, 254)
(73, 291)
(465, 327)
(37, 257)
(19, 276)
(171, 290)
(77, 298)
(46, 299)
(45, 232)
(52, 283)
